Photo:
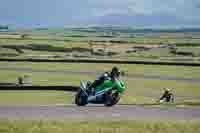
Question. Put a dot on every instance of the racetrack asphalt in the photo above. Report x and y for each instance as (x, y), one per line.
(98, 112)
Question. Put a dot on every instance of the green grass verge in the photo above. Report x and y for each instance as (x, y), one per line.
(35, 97)
(176, 71)
(140, 91)
(97, 126)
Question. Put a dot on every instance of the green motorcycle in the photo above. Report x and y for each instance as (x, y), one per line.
(107, 93)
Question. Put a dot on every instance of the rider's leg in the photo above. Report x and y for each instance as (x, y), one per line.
(96, 83)
(92, 87)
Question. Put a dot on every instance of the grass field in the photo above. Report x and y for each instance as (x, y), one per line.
(21, 126)
(139, 90)
(122, 44)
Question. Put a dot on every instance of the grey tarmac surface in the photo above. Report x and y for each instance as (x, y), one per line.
(98, 112)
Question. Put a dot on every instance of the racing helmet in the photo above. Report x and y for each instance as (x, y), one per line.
(115, 72)
(167, 89)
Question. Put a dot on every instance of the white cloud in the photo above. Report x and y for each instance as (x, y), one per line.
(71, 11)
(175, 7)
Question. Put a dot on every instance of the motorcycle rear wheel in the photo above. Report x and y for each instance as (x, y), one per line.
(81, 99)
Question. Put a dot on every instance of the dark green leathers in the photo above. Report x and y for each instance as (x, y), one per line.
(116, 85)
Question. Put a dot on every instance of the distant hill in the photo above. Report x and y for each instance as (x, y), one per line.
(143, 20)
(138, 20)
(132, 30)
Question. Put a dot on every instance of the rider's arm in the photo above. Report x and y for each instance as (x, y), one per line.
(119, 85)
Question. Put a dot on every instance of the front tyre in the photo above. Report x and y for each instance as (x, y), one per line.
(111, 100)
(115, 101)
(116, 98)
(81, 99)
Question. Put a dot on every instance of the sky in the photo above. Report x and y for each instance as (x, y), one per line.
(138, 13)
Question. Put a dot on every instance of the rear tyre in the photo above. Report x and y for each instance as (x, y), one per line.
(81, 99)
(108, 100)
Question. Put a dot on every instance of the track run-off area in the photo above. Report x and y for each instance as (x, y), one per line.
(82, 72)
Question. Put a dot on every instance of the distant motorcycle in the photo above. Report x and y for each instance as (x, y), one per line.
(167, 96)
(108, 93)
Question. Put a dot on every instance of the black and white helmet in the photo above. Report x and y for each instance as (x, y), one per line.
(115, 72)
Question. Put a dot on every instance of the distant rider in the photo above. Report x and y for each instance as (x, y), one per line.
(167, 96)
